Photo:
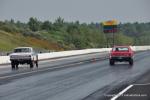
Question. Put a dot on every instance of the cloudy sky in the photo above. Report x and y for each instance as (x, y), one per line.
(72, 10)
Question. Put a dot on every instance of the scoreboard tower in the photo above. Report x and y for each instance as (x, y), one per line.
(110, 27)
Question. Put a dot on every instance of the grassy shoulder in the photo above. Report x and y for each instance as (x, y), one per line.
(8, 41)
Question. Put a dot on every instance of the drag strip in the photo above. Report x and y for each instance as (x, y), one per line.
(74, 82)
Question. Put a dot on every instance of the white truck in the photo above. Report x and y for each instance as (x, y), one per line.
(23, 55)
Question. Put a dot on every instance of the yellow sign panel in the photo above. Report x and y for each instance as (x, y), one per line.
(111, 22)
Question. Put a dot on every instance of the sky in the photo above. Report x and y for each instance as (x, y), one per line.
(73, 10)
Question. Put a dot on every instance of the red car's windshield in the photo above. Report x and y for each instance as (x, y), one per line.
(120, 49)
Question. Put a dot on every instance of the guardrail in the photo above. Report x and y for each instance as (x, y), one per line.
(140, 48)
(42, 56)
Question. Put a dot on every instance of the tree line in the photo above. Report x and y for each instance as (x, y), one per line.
(76, 35)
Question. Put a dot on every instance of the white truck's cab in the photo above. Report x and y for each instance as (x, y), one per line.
(23, 55)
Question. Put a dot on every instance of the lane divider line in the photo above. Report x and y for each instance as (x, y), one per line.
(120, 93)
(42, 70)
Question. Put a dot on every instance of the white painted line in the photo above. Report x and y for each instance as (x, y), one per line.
(123, 91)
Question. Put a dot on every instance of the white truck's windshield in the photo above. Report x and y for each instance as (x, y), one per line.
(22, 50)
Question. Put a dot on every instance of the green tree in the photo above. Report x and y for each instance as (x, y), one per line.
(59, 23)
(46, 25)
(34, 24)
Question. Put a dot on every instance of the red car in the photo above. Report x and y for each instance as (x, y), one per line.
(120, 54)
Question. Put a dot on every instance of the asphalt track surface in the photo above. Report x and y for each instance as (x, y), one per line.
(86, 77)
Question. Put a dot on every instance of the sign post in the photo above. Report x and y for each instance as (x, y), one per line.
(110, 27)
